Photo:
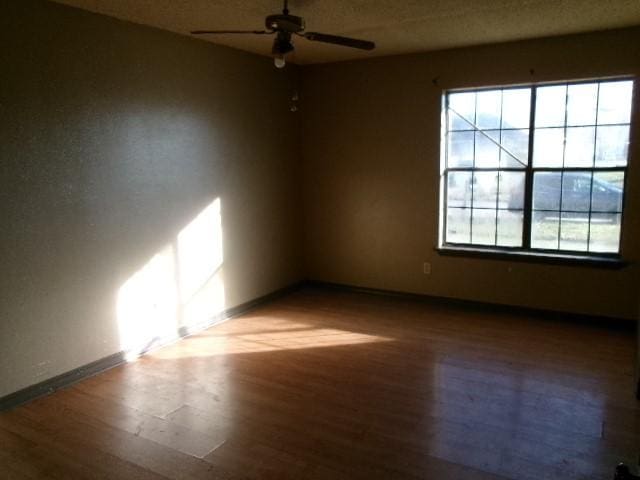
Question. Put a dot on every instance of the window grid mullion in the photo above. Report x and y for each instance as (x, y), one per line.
(473, 173)
(446, 170)
(595, 139)
(500, 153)
(528, 188)
(551, 127)
(564, 154)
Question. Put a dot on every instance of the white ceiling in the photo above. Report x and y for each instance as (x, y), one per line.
(396, 26)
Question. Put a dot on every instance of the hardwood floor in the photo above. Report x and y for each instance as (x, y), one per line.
(329, 385)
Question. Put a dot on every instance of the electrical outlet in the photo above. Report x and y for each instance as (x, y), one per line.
(426, 268)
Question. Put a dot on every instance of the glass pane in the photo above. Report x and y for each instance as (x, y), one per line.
(516, 106)
(487, 151)
(488, 109)
(614, 104)
(459, 189)
(460, 151)
(485, 189)
(574, 231)
(579, 149)
(607, 192)
(458, 225)
(605, 232)
(550, 106)
(582, 101)
(544, 230)
(515, 151)
(576, 191)
(462, 106)
(612, 146)
(510, 228)
(511, 190)
(546, 190)
(548, 147)
(484, 227)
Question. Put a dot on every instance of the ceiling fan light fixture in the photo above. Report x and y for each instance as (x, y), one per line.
(279, 61)
(282, 44)
(281, 47)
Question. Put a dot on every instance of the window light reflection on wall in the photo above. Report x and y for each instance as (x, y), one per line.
(180, 290)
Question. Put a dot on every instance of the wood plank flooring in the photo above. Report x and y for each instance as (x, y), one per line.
(331, 385)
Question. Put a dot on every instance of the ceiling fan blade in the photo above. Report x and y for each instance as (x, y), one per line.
(335, 39)
(217, 32)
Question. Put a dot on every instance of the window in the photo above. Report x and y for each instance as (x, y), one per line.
(536, 169)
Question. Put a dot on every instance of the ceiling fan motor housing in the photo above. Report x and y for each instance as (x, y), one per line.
(285, 23)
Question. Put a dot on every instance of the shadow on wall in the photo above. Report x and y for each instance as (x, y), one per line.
(180, 290)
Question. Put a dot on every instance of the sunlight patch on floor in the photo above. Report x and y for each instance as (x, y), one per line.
(296, 338)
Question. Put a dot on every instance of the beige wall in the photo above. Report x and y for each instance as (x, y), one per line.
(113, 137)
(371, 135)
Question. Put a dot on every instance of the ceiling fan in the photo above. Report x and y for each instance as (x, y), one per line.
(284, 26)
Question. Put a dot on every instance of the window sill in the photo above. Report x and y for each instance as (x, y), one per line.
(612, 262)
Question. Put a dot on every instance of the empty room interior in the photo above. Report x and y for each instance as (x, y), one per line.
(319, 240)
